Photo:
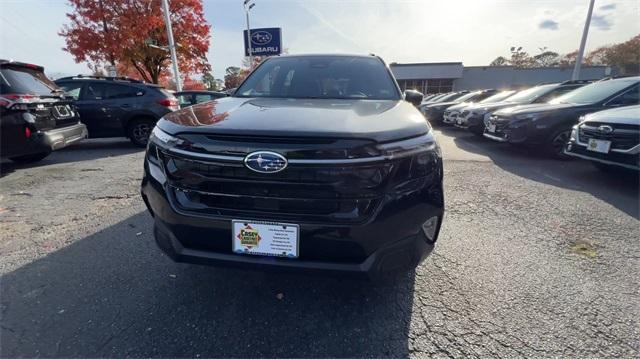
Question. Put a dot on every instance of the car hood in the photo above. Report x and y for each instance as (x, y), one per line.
(379, 120)
(441, 104)
(491, 106)
(534, 108)
(629, 115)
(459, 106)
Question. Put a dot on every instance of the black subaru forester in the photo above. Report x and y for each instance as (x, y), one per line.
(316, 163)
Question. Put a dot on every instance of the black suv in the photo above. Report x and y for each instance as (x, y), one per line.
(35, 117)
(548, 126)
(315, 163)
(118, 106)
(473, 118)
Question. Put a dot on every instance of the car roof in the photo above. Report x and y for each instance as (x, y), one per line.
(21, 64)
(327, 54)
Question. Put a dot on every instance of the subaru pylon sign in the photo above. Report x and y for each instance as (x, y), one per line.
(264, 42)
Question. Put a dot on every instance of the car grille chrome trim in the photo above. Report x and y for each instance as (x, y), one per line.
(291, 161)
(623, 140)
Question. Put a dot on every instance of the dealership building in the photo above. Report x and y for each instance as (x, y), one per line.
(439, 77)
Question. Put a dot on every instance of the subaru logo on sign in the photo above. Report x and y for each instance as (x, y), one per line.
(265, 162)
(606, 129)
(265, 41)
(260, 37)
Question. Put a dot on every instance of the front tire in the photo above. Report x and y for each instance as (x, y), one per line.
(557, 144)
(30, 158)
(139, 131)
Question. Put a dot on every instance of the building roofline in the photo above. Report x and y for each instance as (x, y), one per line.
(536, 68)
(424, 63)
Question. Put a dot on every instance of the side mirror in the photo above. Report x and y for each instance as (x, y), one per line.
(413, 96)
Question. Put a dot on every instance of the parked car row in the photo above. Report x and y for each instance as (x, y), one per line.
(39, 116)
(561, 119)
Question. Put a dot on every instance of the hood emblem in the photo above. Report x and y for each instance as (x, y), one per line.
(605, 129)
(265, 162)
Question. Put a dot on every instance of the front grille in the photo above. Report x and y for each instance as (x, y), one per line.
(623, 136)
(346, 193)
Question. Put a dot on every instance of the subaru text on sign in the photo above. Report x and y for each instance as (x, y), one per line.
(264, 42)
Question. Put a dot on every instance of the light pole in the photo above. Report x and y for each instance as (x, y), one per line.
(172, 45)
(583, 42)
(248, 5)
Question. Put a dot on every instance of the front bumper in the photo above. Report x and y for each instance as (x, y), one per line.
(515, 131)
(629, 160)
(450, 117)
(391, 241)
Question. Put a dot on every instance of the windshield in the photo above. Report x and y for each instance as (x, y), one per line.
(331, 77)
(450, 97)
(22, 80)
(594, 92)
(529, 95)
(498, 97)
(467, 96)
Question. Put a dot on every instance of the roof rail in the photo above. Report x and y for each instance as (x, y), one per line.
(570, 82)
(107, 78)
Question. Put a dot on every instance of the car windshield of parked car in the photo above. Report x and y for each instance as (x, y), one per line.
(498, 97)
(322, 77)
(594, 92)
(23, 80)
(467, 96)
(531, 94)
(449, 97)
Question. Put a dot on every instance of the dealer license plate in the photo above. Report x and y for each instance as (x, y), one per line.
(265, 238)
(601, 146)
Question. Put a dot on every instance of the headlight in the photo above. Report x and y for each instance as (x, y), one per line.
(416, 157)
(574, 133)
(409, 147)
(164, 139)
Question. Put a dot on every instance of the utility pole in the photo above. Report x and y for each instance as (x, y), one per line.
(583, 42)
(248, 5)
(172, 45)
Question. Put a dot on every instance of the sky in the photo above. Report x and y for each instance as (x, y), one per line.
(470, 31)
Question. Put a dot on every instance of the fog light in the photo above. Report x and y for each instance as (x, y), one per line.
(429, 228)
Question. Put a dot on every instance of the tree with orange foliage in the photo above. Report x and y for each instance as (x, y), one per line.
(115, 32)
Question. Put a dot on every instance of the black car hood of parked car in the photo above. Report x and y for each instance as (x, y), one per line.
(535, 108)
(491, 106)
(379, 120)
(441, 105)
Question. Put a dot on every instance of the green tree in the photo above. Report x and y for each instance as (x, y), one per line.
(499, 61)
(547, 59)
(209, 81)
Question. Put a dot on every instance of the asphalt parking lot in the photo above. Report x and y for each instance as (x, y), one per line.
(536, 258)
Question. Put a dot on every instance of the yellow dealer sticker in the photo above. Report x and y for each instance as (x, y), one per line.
(249, 236)
(265, 238)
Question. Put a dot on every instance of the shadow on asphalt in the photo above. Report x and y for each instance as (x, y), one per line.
(114, 294)
(87, 150)
(620, 190)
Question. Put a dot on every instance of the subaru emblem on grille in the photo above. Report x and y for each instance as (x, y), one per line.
(265, 162)
(605, 129)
